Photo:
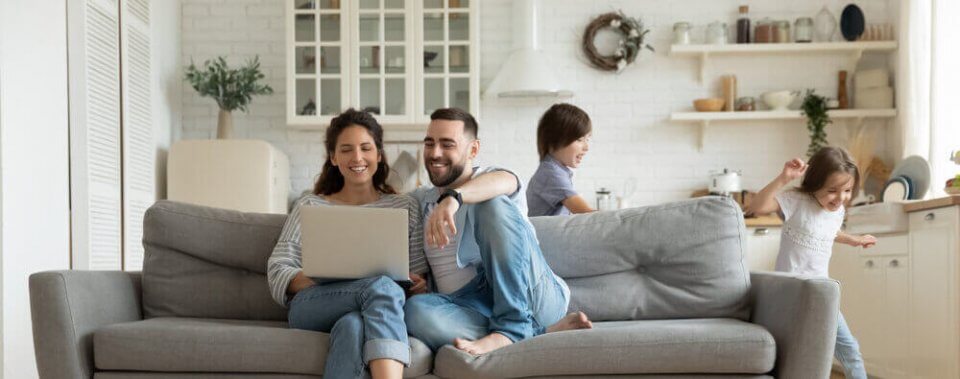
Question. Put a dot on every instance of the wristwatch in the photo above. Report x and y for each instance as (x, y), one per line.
(451, 193)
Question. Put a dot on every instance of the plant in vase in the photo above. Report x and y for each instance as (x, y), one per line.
(815, 109)
(231, 88)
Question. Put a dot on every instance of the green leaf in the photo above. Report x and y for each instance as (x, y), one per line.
(231, 88)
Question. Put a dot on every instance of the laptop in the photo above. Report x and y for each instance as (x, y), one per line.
(342, 242)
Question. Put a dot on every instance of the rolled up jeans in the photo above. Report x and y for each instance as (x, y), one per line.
(364, 318)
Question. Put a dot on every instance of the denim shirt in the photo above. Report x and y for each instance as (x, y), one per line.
(468, 251)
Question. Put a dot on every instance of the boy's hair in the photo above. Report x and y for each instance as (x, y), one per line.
(559, 126)
(470, 128)
(331, 180)
(826, 162)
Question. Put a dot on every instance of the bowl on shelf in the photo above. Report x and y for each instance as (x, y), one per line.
(779, 100)
(712, 104)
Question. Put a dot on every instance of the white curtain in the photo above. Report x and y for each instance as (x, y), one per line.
(913, 81)
(945, 99)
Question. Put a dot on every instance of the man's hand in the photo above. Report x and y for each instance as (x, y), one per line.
(441, 220)
(866, 241)
(299, 283)
(419, 285)
(793, 169)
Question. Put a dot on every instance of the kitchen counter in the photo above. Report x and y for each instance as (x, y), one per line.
(922, 205)
(764, 221)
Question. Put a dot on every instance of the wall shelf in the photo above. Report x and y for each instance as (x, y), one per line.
(854, 49)
(857, 116)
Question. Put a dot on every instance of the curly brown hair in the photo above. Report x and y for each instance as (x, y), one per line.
(331, 180)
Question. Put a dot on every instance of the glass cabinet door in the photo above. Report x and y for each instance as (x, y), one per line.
(382, 59)
(448, 78)
(317, 60)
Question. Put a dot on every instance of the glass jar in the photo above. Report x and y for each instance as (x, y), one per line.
(764, 31)
(681, 33)
(781, 31)
(803, 30)
(746, 104)
(717, 33)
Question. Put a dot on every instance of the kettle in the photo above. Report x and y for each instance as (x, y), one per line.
(725, 183)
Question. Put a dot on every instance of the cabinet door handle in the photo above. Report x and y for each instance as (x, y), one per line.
(895, 263)
(761, 231)
(930, 216)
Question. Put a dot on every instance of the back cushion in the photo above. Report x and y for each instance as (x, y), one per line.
(677, 260)
(208, 262)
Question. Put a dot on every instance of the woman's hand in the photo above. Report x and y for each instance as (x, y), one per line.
(419, 285)
(299, 283)
(441, 220)
(793, 169)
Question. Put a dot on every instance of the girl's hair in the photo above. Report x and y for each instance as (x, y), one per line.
(826, 162)
(331, 180)
(559, 126)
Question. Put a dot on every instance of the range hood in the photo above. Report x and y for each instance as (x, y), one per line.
(526, 73)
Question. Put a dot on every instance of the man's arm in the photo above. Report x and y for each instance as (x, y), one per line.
(477, 190)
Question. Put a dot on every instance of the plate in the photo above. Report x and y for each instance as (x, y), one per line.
(852, 22)
(918, 171)
(895, 191)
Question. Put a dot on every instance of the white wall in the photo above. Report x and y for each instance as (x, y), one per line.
(35, 170)
(632, 135)
(167, 82)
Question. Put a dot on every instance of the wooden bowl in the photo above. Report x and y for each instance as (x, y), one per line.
(713, 104)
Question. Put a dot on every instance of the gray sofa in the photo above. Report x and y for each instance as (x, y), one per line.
(666, 284)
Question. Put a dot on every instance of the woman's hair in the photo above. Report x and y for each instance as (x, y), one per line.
(559, 126)
(826, 162)
(331, 180)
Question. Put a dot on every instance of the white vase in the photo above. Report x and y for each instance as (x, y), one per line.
(224, 124)
(825, 24)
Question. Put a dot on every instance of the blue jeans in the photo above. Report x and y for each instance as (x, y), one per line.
(515, 293)
(847, 351)
(364, 318)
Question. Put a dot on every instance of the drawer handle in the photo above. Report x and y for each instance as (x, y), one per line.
(930, 216)
(895, 263)
(869, 264)
(761, 231)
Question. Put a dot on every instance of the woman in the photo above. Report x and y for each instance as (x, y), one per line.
(364, 317)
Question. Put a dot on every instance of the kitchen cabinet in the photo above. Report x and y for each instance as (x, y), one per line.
(398, 59)
(763, 245)
(901, 297)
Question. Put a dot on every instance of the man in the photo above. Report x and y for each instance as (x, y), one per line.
(494, 286)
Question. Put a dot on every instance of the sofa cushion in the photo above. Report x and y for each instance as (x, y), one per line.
(676, 260)
(706, 346)
(170, 344)
(208, 262)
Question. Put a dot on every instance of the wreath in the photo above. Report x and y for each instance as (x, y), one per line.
(631, 42)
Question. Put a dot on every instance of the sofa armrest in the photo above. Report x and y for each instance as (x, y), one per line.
(801, 314)
(68, 307)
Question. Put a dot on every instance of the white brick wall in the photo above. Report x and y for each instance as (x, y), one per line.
(633, 138)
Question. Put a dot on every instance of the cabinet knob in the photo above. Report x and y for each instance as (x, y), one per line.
(761, 231)
(869, 264)
(895, 263)
(930, 216)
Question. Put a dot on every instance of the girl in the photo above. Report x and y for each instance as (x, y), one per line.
(365, 316)
(813, 214)
(563, 138)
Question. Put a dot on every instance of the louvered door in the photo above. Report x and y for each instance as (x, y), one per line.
(95, 174)
(139, 190)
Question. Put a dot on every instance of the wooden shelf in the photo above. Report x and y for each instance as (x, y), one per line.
(854, 49)
(705, 118)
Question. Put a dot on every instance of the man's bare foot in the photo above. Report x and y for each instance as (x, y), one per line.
(490, 342)
(572, 321)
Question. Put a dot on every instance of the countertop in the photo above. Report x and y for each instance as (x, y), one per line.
(769, 220)
(940, 202)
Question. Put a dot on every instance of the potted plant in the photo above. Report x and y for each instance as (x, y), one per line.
(815, 109)
(231, 88)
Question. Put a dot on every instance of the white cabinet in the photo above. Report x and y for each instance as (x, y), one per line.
(763, 245)
(934, 350)
(398, 59)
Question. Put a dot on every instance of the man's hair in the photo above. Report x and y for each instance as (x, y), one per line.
(470, 127)
(560, 126)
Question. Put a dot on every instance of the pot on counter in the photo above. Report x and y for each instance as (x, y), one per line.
(725, 182)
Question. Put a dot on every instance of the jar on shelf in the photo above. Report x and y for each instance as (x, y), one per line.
(681, 33)
(803, 30)
(764, 31)
(746, 104)
(781, 31)
(717, 33)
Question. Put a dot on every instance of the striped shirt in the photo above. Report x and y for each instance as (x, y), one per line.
(285, 262)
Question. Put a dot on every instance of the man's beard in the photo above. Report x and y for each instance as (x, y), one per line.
(452, 175)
